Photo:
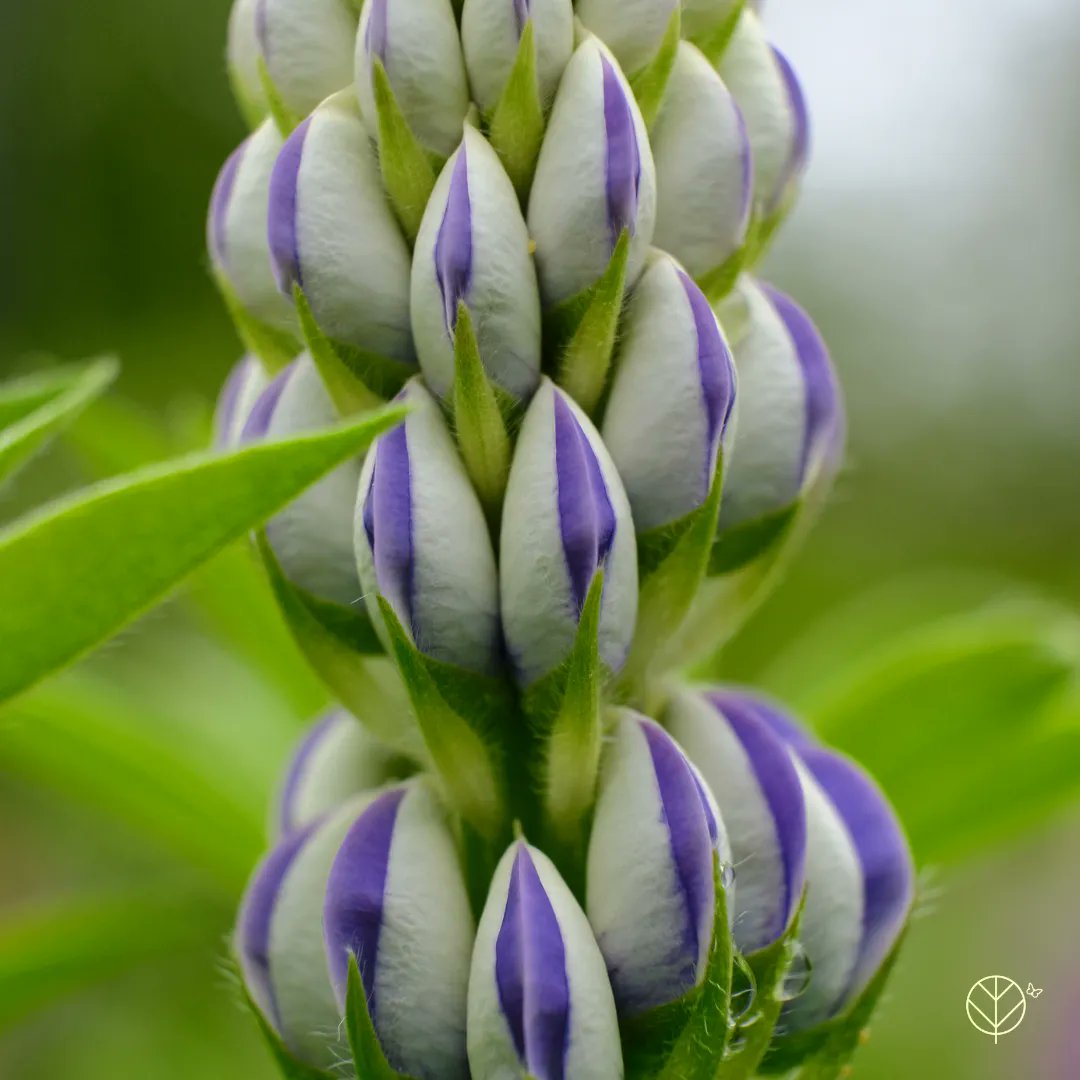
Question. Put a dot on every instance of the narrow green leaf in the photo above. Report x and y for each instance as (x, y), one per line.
(407, 170)
(742, 544)
(289, 1066)
(718, 282)
(33, 410)
(650, 83)
(284, 117)
(368, 1057)
(587, 323)
(517, 123)
(715, 44)
(275, 348)
(478, 421)
(83, 567)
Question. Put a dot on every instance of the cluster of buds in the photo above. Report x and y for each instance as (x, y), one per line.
(530, 846)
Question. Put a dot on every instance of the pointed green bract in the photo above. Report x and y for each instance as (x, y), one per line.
(516, 129)
(368, 1057)
(650, 83)
(715, 44)
(285, 119)
(407, 170)
(122, 545)
(275, 348)
(718, 282)
(742, 544)
(34, 410)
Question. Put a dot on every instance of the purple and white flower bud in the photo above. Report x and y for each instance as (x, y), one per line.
(594, 178)
(757, 788)
(473, 247)
(671, 397)
(565, 517)
(312, 538)
(702, 18)
(337, 759)
(539, 999)
(650, 884)
(491, 34)
(417, 42)
(236, 228)
(306, 46)
(631, 29)
(245, 383)
(332, 232)
(790, 412)
(396, 900)
(422, 542)
(704, 167)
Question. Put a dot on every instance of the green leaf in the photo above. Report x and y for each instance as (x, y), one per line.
(407, 170)
(517, 123)
(284, 117)
(738, 546)
(685, 1040)
(275, 348)
(290, 1067)
(650, 83)
(718, 282)
(36, 408)
(586, 323)
(81, 568)
(478, 421)
(368, 1056)
(715, 43)
(357, 379)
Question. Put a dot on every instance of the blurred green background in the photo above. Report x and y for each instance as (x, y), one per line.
(936, 246)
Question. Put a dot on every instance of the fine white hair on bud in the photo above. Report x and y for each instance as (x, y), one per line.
(491, 35)
(473, 248)
(417, 42)
(704, 167)
(594, 178)
(631, 29)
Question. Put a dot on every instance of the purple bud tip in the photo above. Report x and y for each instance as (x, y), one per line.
(219, 203)
(258, 422)
(298, 765)
(623, 158)
(586, 515)
(521, 14)
(262, 28)
(800, 145)
(453, 246)
(530, 973)
(281, 218)
(377, 35)
(746, 164)
(782, 726)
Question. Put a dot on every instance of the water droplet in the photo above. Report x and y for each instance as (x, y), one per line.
(736, 1044)
(727, 876)
(797, 978)
(743, 989)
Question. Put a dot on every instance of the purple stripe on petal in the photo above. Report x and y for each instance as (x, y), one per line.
(377, 34)
(219, 204)
(262, 27)
(258, 422)
(521, 14)
(800, 144)
(686, 814)
(530, 973)
(355, 894)
(454, 244)
(281, 218)
(789, 731)
(746, 165)
(256, 917)
(225, 413)
(300, 759)
(586, 515)
(388, 522)
(883, 852)
(623, 157)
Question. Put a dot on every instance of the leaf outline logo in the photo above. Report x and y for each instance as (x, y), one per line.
(996, 1005)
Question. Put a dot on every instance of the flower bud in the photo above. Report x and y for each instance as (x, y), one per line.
(565, 517)
(671, 398)
(704, 169)
(236, 229)
(539, 999)
(242, 388)
(594, 178)
(332, 232)
(702, 18)
(306, 46)
(422, 542)
(417, 43)
(312, 538)
(491, 33)
(760, 797)
(336, 759)
(396, 901)
(790, 413)
(764, 85)
(473, 247)
(631, 29)
(651, 896)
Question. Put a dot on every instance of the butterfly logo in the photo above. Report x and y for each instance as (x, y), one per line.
(1033, 991)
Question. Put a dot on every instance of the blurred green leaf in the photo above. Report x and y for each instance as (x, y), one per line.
(35, 409)
(83, 567)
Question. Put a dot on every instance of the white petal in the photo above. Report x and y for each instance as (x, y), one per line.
(631, 29)
(244, 53)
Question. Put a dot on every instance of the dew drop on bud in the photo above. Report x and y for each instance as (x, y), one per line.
(743, 989)
(797, 978)
(727, 876)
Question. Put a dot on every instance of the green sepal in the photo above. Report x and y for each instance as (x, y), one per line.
(356, 379)
(685, 1039)
(368, 1057)
(479, 421)
(745, 543)
(563, 709)
(714, 44)
(460, 714)
(408, 171)
(516, 129)
(290, 1067)
(719, 281)
(825, 1052)
(582, 330)
(275, 348)
(650, 83)
(285, 119)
